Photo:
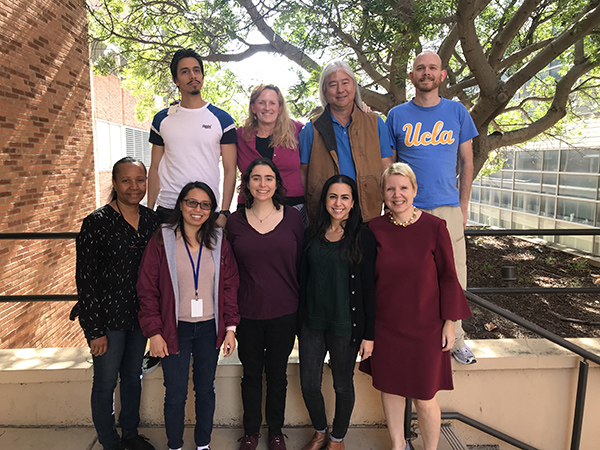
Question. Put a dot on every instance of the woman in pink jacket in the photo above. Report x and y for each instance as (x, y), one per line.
(187, 286)
(268, 132)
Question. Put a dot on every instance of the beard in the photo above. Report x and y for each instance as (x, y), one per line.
(433, 84)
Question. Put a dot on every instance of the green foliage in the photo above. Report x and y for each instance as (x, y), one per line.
(379, 38)
(494, 164)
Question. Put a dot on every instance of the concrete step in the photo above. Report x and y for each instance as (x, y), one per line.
(84, 438)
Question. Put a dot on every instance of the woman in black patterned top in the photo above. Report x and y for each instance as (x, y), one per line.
(109, 250)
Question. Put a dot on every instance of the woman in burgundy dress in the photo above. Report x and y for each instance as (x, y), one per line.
(418, 300)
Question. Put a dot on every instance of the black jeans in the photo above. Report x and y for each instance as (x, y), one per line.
(265, 344)
(163, 213)
(314, 344)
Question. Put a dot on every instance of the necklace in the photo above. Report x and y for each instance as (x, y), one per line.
(268, 215)
(408, 222)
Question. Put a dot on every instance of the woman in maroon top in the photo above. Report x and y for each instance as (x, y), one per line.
(418, 300)
(266, 238)
(269, 132)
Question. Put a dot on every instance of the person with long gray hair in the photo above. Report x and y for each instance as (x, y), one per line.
(344, 140)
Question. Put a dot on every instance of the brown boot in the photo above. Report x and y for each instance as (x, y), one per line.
(317, 442)
(335, 445)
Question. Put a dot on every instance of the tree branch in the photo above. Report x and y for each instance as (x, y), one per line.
(557, 110)
(292, 52)
(504, 38)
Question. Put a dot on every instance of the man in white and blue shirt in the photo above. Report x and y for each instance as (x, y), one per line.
(188, 139)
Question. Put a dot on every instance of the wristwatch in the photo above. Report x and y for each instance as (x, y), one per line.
(225, 212)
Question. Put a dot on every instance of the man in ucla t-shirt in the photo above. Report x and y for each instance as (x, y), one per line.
(430, 134)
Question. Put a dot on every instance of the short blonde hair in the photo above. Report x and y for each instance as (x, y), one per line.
(398, 169)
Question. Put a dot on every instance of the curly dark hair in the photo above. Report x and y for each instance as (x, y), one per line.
(280, 191)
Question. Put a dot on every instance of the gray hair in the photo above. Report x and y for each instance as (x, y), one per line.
(331, 68)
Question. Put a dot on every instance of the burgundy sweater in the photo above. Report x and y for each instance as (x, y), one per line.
(268, 265)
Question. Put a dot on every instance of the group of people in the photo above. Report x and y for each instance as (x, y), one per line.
(307, 253)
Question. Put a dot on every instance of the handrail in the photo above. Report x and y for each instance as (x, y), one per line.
(45, 235)
(470, 294)
(533, 327)
(533, 232)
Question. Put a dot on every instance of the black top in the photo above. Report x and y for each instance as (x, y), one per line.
(265, 147)
(328, 289)
(109, 251)
(362, 289)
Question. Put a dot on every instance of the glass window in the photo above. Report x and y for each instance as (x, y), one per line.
(549, 183)
(506, 200)
(475, 194)
(507, 180)
(579, 186)
(505, 218)
(495, 198)
(551, 160)
(524, 221)
(527, 181)
(581, 161)
(575, 211)
(489, 216)
(529, 160)
(547, 206)
(526, 202)
(485, 196)
(509, 161)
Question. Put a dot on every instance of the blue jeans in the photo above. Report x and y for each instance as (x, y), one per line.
(198, 340)
(314, 344)
(123, 359)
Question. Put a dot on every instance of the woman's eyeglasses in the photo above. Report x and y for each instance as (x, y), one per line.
(206, 206)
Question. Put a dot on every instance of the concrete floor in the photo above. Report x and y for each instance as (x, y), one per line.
(222, 439)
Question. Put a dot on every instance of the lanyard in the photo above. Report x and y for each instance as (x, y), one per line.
(196, 269)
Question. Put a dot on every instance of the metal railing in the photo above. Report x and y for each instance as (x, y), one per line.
(472, 296)
(582, 380)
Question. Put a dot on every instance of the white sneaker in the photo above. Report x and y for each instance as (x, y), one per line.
(464, 355)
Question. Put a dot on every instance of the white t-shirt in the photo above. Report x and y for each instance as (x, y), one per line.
(192, 139)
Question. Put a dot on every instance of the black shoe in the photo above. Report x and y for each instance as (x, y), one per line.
(138, 442)
(149, 363)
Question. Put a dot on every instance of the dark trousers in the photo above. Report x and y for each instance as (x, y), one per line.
(163, 213)
(265, 344)
(198, 340)
(314, 344)
(123, 359)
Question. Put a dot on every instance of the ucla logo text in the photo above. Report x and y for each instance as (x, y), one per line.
(437, 136)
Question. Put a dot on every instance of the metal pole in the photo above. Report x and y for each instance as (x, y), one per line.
(407, 419)
(579, 404)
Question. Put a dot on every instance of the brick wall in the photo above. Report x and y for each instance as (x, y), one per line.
(46, 163)
(115, 104)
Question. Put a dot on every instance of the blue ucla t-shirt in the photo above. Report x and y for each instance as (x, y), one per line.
(427, 139)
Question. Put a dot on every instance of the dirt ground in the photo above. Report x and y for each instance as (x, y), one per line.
(568, 315)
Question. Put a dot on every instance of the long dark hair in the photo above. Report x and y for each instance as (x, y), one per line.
(115, 171)
(208, 230)
(350, 245)
(280, 190)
